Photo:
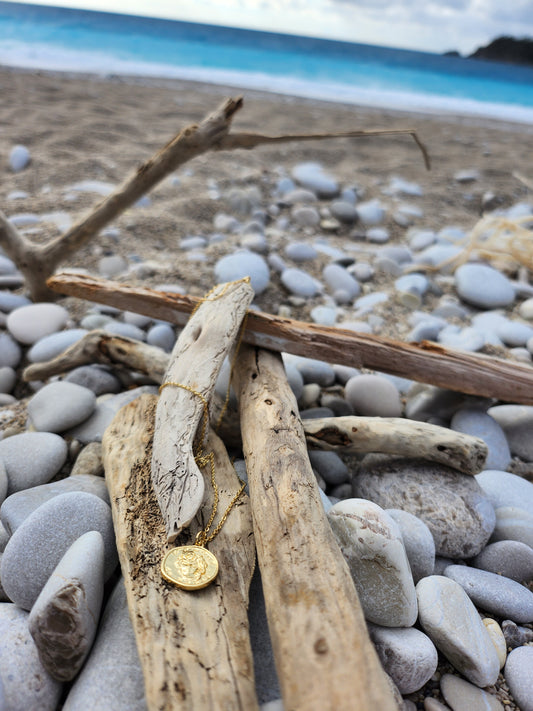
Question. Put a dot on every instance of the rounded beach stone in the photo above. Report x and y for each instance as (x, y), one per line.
(305, 216)
(300, 251)
(371, 212)
(17, 507)
(10, 353)
(40, 542)
(513, 524)
(312, 176)
(28, 324)
(300, 283)
(330, 467)
(59, 406)
(314, 371)
(505, 489)
(460, 695)
(89, 461)
(50, 346)
(518, 674)
(344, 211)
(26, 685)
(418, 542)
(8, 378)
(501, 596)
(497, 637)
(337, 278)
(483, 286)
(112, 676)
(373, 395)
(3, 481)
(513, 333)
(371, 542)
(161, 335)
(241, 264)
(517, 423)
(452, 505)
(451, 621)
(477, 423)
(64, 619)
(95, 378)
(408, 656)
(112, 265)
(19, 158)
(513, 559)
(128, 330)
(32, 458)
(516, 636)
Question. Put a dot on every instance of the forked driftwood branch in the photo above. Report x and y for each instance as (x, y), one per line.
(191, 375)
(38, 261)
(323, 655)
(194, 647)
(427, 362)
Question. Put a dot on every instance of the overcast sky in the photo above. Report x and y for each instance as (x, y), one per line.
(432, 25)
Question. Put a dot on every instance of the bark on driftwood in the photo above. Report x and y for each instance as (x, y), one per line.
(191, 376)
(194, 646)
(428, 362)
(38, 261)
(323, 654)
(394, 435)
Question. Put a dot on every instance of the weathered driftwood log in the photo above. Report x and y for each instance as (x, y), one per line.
(39, 261)
(394, 435)
(191, 375)
(322, 651)
(100, 347)
(427, 362)
(194, 646)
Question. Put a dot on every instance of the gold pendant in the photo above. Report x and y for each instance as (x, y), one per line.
(189, 567)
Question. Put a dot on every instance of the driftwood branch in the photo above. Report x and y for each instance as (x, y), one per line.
(323, 654)
(191, 375)
(251, 140)
(194, 647)
(103, 348)
(38, 261)
(394, 435)
(428, 362)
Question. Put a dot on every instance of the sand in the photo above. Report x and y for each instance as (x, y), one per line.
(81, 128)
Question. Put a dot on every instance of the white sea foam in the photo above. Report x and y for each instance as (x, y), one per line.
(53, 58)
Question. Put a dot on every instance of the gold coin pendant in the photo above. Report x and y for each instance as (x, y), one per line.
(189, 567)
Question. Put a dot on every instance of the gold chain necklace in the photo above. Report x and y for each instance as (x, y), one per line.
(194, 567)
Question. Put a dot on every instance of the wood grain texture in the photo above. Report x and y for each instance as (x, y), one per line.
(324, 657)
(427, 362)
(194, 647)
(119, 352)
(395, 435)
(190, 378)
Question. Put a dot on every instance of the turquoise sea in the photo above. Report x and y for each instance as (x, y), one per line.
(105, 43)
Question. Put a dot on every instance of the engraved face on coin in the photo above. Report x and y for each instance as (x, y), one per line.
(189, 567)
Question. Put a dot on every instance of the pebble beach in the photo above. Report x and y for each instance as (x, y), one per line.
(349, 233)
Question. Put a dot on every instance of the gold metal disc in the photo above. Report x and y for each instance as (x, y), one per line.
(189, 567)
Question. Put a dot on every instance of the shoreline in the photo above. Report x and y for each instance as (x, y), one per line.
(276, 96)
